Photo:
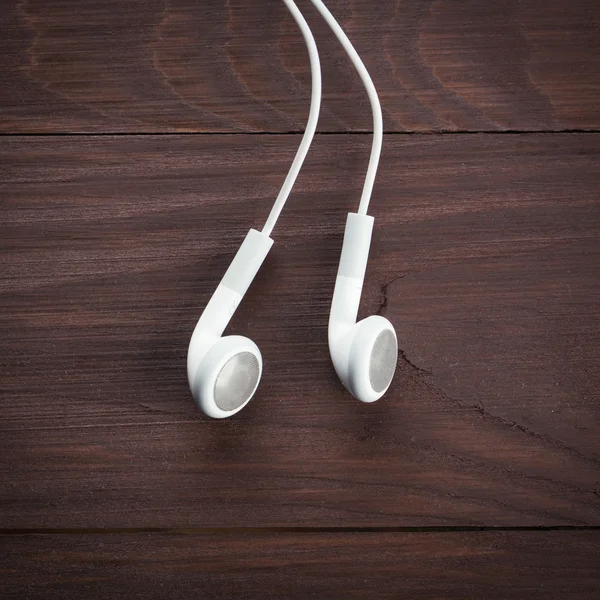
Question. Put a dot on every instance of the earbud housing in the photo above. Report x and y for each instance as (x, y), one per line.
(224, 372)
(364, 353)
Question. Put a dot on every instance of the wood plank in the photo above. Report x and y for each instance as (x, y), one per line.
(485, 256)
(491, 565)
(241, 65)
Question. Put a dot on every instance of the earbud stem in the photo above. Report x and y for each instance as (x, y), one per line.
(351, 272)
(235, 282)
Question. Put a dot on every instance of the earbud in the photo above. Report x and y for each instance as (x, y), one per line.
(224, 372)
(364, 354)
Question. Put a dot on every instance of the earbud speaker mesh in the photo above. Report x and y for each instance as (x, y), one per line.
(236, 381)
(384, 357)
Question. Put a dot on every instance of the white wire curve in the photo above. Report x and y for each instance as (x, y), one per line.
(311, 125)
(373, 99)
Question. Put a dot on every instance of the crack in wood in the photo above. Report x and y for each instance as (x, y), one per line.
(420, 373)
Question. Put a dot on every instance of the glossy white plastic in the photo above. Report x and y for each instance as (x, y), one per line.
(208, 351)
(351, 343)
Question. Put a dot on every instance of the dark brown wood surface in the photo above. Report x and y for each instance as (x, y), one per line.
(241, 65)
(485, 257)
(138, 143)
(391, 566)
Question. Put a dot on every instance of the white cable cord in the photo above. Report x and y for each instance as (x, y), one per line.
(311, 125)
(373, 98)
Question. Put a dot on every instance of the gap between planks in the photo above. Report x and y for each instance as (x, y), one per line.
(286, 530)
(293, 132)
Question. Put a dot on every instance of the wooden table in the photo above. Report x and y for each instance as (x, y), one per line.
(140, 140)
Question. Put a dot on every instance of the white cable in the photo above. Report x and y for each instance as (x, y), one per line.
(311, 125)
(373, 98)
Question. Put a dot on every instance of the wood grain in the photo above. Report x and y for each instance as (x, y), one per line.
(241, 66)
(485, 256)
(498, 565)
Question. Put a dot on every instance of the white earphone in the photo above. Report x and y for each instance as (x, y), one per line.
(224, 372)
(364, 354)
